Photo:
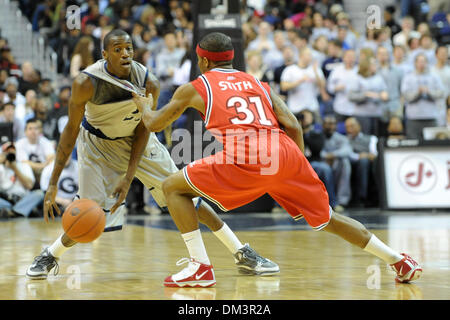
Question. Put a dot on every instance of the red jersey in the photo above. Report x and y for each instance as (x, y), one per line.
(238, 111)
(235, 99)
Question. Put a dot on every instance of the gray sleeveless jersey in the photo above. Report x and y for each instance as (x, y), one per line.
(111, 112)
(106, 91)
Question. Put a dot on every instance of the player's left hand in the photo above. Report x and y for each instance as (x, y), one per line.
(143, 103)
(120, 192)
(50, 203)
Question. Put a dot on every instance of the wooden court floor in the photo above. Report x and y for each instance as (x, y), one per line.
(132, 263)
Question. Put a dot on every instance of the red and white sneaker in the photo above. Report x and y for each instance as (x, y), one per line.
(407, 269)
(195, 275)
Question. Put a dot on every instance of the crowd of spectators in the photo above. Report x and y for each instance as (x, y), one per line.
(348, 90)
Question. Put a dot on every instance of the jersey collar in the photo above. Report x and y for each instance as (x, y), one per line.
(224, 70)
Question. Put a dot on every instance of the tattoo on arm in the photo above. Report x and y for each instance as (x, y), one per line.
(173, 115)
(279, 104)
(287, 119)
(276, 100)
(61, 151)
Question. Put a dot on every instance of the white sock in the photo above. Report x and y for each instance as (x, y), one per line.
(376, 247)
(195, 246)
(57, 248)
(228, 238)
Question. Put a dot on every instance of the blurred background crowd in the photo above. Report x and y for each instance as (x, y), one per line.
(349, 89)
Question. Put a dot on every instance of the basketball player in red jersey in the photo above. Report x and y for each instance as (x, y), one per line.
(237, 106)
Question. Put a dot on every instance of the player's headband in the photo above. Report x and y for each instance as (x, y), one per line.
(215, 56)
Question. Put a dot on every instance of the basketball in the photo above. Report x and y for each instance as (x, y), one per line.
(83, 220)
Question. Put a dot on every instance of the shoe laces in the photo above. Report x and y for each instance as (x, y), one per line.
(189, 270)
(44, 260)
(250, 253)
(183, 261)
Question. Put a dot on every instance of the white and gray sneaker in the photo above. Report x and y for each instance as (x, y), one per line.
(42, 265)
(249, 261)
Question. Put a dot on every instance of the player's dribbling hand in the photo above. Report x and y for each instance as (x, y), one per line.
(143, 103)
(120, 192)
(50, 203)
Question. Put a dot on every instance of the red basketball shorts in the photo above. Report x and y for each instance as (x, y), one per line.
(294, 184)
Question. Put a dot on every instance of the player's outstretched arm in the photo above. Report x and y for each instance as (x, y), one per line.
(141, 134)
(185, 96)
(82, 90)
(140, 139)
(288, 120)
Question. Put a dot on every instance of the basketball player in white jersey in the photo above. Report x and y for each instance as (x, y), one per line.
(114, 146)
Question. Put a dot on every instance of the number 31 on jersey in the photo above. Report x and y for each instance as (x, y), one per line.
(245, 115)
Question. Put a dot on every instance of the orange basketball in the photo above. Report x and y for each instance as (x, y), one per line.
(83, 220)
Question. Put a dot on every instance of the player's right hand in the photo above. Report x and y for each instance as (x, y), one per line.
(143, 102)
(50, 203)
(120, 193)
